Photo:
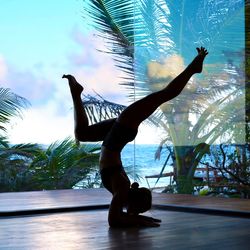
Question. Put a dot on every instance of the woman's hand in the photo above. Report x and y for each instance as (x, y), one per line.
(118, 218)
(148, 221)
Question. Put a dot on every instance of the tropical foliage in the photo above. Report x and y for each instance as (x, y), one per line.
(141, 33)
(61, 165)
(25, 167)
(10, 105)
(15, 160)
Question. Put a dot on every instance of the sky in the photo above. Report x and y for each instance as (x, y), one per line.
(41, 41)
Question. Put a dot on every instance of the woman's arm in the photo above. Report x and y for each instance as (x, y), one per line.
(118, 218)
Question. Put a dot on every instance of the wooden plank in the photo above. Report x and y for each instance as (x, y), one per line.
(91, 197)
(89, 230)
(234, 204)
(53, 199)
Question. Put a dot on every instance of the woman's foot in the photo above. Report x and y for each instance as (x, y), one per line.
(196, 65)
(75, 87)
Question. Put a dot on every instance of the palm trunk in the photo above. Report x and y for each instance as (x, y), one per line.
(183, 164)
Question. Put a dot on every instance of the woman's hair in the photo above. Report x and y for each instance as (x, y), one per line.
(140, 197)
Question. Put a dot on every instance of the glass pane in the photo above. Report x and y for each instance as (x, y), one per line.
(211, 109)
(44, 41)
(41, 41)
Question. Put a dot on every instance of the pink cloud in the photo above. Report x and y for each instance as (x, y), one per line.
(88, 54)
(95, 69)
(3, 69)
(35, 87)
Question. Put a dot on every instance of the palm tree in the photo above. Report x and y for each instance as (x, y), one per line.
(11, 105)
(147, 31)
(63, 164)
(14, 159)
(27, 166)
(14, 164)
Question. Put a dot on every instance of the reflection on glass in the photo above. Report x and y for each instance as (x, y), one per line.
(211, 109)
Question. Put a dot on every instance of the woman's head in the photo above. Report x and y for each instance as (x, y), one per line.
(140, 199)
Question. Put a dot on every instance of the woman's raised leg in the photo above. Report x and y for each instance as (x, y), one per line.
(140, 110)
(84, 131)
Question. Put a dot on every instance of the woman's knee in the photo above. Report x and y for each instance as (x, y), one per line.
(81, 134)
(89, 134)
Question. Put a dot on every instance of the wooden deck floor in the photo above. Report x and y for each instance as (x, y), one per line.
(88, 229)
(62, 200)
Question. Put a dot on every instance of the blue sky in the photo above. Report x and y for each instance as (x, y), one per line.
(43, 39)
(40, 41)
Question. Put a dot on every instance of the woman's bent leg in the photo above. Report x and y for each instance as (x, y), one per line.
(84, 131)
(95, 132)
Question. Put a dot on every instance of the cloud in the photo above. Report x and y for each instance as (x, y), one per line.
(50, 114)
(41, 125)
(50, 117)
(94, 69)
(32, 85)
(3, 69)
(170, 67)
(35, 87)
(87, 55)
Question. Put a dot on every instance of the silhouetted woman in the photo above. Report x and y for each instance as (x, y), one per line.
(115, 134)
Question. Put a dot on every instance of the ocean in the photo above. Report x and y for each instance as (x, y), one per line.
(139, 162)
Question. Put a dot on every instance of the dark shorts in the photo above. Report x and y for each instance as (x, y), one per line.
(107, 174)
(118, 136)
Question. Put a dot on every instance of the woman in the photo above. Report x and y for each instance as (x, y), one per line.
(115, 134)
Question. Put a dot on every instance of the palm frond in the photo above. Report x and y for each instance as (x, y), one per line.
(4, 142)
(28, 150)
(114, 21)
(152, 41)
(99, 109)
(63, 164)
(10, 105)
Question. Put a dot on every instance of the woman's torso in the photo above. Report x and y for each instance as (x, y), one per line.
(113, 176)
(109, 158)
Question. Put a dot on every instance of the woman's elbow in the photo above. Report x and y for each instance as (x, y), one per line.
(113, 221)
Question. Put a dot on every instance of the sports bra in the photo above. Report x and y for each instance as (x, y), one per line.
(118, 136)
